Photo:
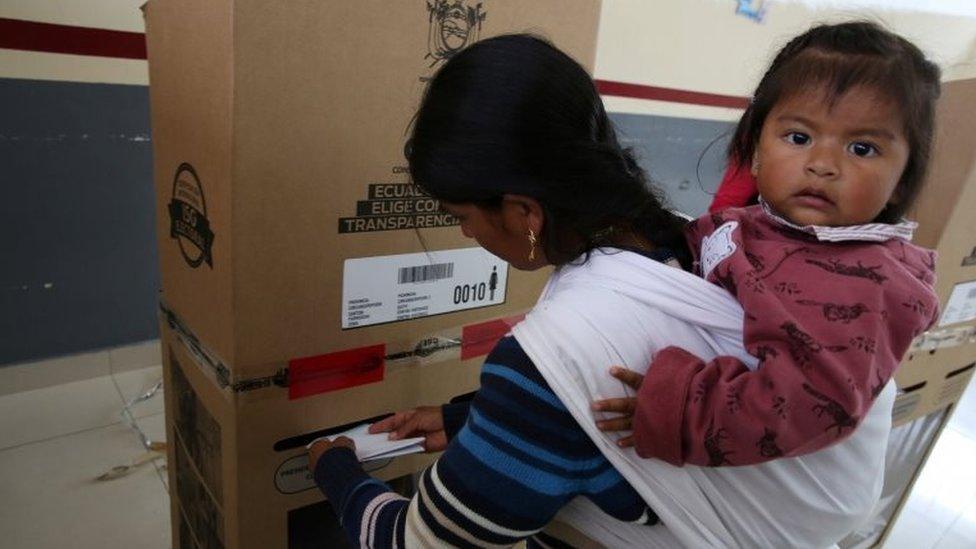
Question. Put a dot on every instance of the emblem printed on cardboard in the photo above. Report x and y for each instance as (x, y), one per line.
(717, 246)
(454, 24)
(188, 218)
(377, 290)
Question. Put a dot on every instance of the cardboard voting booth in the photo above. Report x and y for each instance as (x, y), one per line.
(941, 361)
(307, 286)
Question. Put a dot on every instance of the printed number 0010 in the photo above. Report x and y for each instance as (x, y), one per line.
(469, 292)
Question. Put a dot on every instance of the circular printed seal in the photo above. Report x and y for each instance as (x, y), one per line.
(293, 475)
(454, 24)
(188, 218)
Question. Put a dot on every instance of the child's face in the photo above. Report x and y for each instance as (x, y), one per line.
(822, 165)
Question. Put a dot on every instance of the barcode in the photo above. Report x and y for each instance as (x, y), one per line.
(426, 273)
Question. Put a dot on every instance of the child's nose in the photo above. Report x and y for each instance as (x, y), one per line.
(822, 162)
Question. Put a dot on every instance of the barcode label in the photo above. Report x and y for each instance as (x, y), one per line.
(394, 288)
(426, 273)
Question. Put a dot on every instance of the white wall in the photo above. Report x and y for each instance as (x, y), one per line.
(702, 45)
(698, 45)
(121, 15)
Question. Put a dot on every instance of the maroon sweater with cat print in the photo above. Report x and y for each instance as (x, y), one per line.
(829, 313)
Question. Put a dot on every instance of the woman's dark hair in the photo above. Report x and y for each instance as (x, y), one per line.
(836, 59)
(513, 114)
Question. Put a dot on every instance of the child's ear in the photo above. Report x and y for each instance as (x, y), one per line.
(754, 166)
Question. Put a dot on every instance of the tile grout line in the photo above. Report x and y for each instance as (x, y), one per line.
(72, 433)
(48, 439)
(118, 392)
(109, 361)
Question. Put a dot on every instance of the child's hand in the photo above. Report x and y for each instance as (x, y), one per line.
(624, 406)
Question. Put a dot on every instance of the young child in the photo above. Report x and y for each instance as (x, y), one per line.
(838, 137)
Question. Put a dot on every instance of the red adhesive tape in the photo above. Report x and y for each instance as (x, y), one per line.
(479, 339)
(340, 370)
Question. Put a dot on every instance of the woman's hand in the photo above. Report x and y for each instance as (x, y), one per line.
(623, 406)
(322, 446)
(423, 421)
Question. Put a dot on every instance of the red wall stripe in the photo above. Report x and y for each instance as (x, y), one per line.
(47, 37)
(16, 34)
(671, 95)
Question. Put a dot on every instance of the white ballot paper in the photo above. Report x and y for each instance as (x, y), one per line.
(378, 446)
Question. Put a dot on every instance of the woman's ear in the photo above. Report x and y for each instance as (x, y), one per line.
(523, 213)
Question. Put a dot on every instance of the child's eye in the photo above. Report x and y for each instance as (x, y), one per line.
(797, 138)
(859, 148)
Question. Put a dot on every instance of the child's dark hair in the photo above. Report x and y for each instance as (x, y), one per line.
(513, 114)
(838, 58)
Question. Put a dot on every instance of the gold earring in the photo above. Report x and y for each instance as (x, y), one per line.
(532, 241)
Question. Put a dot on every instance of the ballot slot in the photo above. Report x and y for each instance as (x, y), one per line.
(961, 371)
(300, 441)
(955, 383)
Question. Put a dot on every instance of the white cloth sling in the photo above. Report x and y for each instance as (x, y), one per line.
(619, 308)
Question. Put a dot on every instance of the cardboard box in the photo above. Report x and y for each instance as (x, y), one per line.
(940, 364)
(279, 135)
(238, 470)
(306, 285)
(941, 361)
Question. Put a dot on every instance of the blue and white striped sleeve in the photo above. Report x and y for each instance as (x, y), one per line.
(518, 459)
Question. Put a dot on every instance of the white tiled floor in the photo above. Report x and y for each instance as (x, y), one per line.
(54, 441)
(941, 513)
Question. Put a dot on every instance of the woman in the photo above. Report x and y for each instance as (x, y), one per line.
(513, 139)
